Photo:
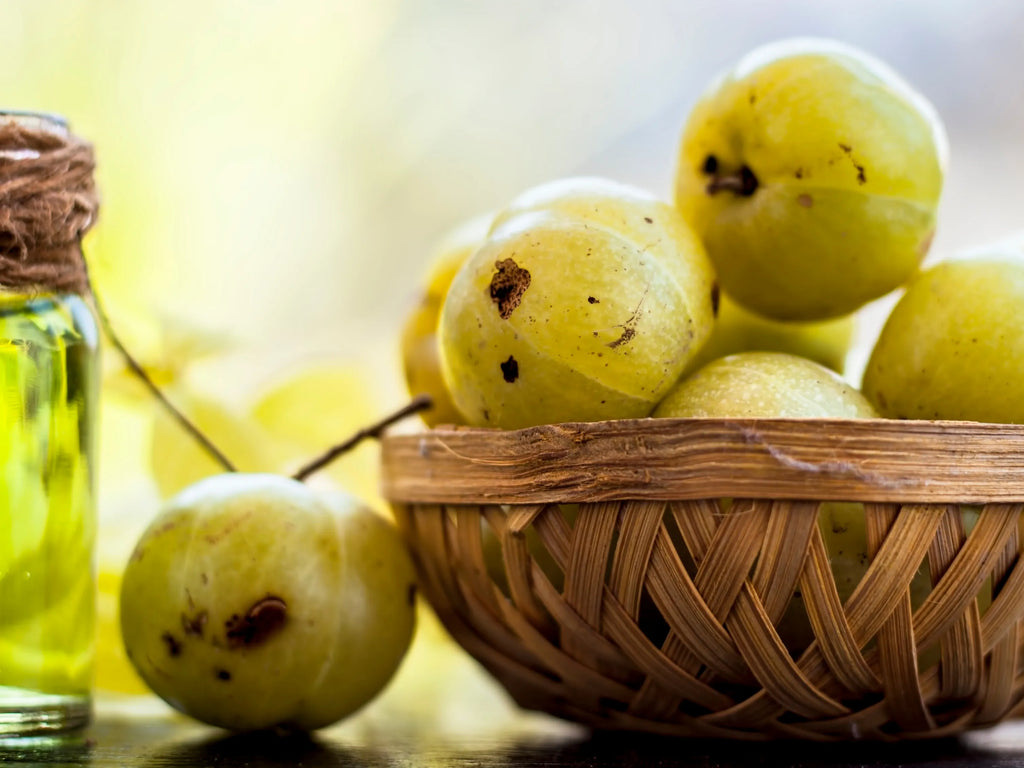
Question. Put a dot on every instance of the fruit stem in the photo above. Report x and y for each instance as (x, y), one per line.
(215, 453)
(742, 183)
(418, 403)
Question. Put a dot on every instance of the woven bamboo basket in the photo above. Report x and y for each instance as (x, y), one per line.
(658, 607)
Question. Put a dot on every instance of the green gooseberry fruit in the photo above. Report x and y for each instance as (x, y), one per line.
(812, 173)
(253, 602)
(585, 302)
(953, 346)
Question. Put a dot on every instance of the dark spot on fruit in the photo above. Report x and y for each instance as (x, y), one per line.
(592, 300)
(628, 327)
(204, 578)
(648, 219)
(836, 528)
(805, 200)
(410, 594)
(628, 333)
(710, 164)
(223, 674)
(165, 528)
(194, 625)
(487, 415)
(264, 619)
(882, 402)
(716, 298)
(173, 646)
(752, 98)
(508, 284)
(848, 151)
(799, 173)
(510, 369)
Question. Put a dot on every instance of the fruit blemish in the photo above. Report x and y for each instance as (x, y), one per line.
(508, 285)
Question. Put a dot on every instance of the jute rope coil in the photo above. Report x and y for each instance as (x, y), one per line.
(48, 201)
(653, 606)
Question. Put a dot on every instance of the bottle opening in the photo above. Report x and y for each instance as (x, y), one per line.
(44, 122)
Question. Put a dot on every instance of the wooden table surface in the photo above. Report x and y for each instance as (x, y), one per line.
(159, 741)
(443, 710)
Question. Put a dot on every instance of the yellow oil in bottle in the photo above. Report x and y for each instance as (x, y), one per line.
(48, 405)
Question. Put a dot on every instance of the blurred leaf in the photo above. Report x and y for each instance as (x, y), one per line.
(318, 407)
(178, 460)
(166, 352)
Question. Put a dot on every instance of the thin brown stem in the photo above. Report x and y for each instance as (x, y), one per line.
(417, 404)
(215, 453)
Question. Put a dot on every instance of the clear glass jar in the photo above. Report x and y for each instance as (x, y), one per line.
(49, 386)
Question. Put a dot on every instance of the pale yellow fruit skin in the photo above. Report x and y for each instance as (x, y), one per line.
(849, 162)
(593, 199)
(421, 359)
(376, 621)
(739, 330)
(313, 407)
(765, 385)
(619, 299)
(953, 346)
(231, 541)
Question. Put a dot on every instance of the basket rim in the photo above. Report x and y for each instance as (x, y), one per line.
(876, 460)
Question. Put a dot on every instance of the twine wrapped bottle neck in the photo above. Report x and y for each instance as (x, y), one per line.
(48, 201)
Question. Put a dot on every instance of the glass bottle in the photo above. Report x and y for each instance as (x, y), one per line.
(48, 406)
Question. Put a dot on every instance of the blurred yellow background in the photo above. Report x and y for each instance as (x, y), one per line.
(275, 174)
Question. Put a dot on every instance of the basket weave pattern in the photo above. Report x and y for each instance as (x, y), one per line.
(657, 608)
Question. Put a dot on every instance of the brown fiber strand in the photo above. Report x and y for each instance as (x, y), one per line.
(1003, 659)
(961, 657)
(639, 526)
(898, 660)
(830, 624)
(781, 560)
(518, 564)
(589, 544)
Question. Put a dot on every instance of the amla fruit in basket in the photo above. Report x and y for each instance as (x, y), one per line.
(953, 347)
(778, 385)
(812, 173)
(253, 602)
(585, 302)
(421, 357)
(740, 330)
